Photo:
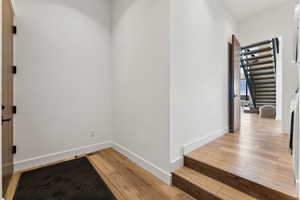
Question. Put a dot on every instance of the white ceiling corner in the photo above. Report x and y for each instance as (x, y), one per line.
(241, 9)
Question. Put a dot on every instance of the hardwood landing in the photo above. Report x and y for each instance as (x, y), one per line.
(255, 161)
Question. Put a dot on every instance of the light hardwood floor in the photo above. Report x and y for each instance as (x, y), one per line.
(125, 179)
(130, 181)
(258, 152)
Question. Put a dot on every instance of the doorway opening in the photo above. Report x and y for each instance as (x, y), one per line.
(261, 79)
(256, 105)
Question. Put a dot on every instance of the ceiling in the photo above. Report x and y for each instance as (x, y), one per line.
(241, 9)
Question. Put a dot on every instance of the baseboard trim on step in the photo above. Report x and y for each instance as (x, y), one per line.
(147, 165)
(207, 138)
(41, 160)
(187, 148)
(175, 164)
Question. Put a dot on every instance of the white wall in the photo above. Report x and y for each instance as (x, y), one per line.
(200, 32)
(274, 22)
(279, 82)
(141, 79)
(63, 85)
(1, 96)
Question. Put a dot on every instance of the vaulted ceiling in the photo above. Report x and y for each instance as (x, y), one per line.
(241, 9)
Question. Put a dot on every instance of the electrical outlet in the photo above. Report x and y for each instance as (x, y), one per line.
(92, 134)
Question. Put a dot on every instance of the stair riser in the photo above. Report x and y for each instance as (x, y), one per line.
(191, 189)
(239, 183)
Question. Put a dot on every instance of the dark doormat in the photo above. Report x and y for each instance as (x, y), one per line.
(71, 180)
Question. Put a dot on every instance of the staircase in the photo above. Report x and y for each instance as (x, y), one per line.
(258, 62)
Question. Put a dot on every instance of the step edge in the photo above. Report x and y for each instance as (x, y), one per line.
(194, 185)
(292, 196)
(214, 180)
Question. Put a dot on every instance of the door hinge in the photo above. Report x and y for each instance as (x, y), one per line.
(14, 109)
(14, 29)
(14, 69)
(14, 149)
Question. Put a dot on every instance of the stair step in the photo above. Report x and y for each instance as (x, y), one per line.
(258, 57)
(257, 44)
(264, 101)
(269, 103)
(263, 89)
(264, 86)
(265, 98)
(267, 91)
(260, 104)
(265, 104)
(260, 68)
(265, 82)
(201, 186)
(262, 73)
(235, 179)
(265, 49)
(260, 63)
(263, 78)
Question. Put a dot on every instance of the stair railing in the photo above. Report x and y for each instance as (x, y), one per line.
(275, 43)
(247, 74)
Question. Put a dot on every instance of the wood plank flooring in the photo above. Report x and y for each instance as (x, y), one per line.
(125, 179)
(256, 156)
(131, 181)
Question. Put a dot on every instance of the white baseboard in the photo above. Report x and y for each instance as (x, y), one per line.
(153, 169)
(45, 159)
(199, 142)
(175, 164)
(207, 138)
(41, 160)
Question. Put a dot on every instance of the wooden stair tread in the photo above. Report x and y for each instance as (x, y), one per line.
(263, 73)
(259, 57)
(266, 90)
(211, 186)
(264, 86)
(260, 63)
(266, 42)
(263, 78)
(260, 68)
(257, 51)
(265, 82)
